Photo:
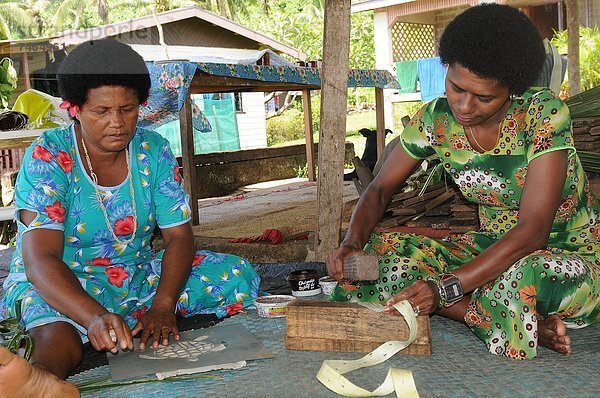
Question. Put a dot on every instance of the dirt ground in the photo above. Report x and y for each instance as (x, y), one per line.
(287, 205)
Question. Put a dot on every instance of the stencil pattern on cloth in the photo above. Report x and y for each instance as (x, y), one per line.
(201, 350)
(188, 350)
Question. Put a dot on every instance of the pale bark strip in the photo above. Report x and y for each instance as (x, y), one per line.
(308, 134)
(334, 93)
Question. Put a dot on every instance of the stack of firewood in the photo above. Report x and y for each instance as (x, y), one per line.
(465, 215)
(586, 134)
(439, 206)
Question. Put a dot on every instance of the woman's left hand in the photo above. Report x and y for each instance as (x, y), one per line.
(422, 295)
(159, 322)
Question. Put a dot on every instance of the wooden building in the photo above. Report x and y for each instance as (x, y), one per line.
(411, 29)
(185, 33)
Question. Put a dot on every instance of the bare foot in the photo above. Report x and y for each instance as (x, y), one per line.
(19, 379)
(552, 333)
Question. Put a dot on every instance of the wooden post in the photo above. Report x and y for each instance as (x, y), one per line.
(334, 97)
(25, 61)
(574, 72)
(187, 156)
(380, 121)
(308, 132)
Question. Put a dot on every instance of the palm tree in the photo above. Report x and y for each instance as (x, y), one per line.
(146, 7)
(14, 21)
(35, 8)
(67, 11)
(71, 10)
(102, 6)
(230, 9)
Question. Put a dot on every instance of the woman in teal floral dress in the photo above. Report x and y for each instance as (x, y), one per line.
(89, 197)
(533, 268)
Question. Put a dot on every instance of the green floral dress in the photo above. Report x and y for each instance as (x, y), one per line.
(563, 279)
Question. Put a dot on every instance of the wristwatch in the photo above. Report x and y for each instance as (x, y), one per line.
(449, 289)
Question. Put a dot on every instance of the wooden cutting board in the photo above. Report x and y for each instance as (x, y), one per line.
(348, 327)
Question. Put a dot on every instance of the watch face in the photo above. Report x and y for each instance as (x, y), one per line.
(452, 291)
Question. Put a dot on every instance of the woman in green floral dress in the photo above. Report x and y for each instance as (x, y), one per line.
(533, 268)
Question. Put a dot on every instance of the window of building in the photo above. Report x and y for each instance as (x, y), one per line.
(239, 105)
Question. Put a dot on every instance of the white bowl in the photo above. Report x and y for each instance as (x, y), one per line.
(273, 306)
(327, 284)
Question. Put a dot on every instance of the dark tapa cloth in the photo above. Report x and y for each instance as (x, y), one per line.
(12, 120)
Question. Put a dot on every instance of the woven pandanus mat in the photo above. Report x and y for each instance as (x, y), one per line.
(460, 366)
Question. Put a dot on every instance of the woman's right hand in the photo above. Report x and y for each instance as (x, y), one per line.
(99, 333)
(335, 259)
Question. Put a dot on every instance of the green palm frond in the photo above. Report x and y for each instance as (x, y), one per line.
(67, 12)
(39, 6)
(5, 32)
(585, 104)
(13, 335)
(14, 18)
(229, 9)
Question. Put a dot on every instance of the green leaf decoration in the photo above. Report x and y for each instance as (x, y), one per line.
(14, 337)
(105, 382)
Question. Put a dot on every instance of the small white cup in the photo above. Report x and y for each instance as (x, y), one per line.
(327, 284)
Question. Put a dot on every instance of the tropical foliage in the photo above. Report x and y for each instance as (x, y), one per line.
(298, 23)
(589, 54)
(16, 19)
(8, 81)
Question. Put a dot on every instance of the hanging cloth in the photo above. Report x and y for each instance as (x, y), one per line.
(432, 78)
(407, 76)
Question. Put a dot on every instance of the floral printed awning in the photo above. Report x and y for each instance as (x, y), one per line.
(171, 83)
(299, 75)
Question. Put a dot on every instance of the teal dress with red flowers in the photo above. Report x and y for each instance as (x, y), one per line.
(123, 277)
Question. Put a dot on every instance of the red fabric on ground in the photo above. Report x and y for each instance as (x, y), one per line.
(300, 237)
(272, 236)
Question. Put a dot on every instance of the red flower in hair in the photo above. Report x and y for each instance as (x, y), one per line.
(177, 177)
(124, 227)
(56, 212)
(39, 152)
(234, 308)
(116, 275)
(64, 161)
(101, 262)
(198, 259)
(73, 109)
